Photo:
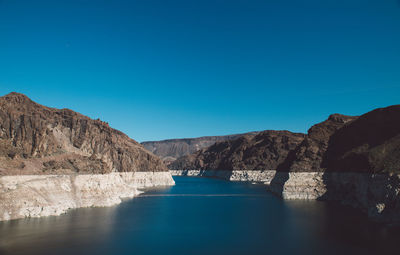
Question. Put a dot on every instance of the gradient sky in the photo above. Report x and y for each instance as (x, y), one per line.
(173, 69)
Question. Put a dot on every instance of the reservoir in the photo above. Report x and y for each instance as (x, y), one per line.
(203, 216)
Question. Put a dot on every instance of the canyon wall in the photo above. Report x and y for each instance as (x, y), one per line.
(44, 195)
(375, 194)
(354, 160)
(259, 176)
(52, 160)
(35, 139)
(351, 159)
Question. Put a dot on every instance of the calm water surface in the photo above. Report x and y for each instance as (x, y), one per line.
(202, 216)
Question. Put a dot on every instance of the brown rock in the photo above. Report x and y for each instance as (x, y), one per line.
(307, 157)
(35, 139)
(264, 151)
(171, 149)
(370, 143)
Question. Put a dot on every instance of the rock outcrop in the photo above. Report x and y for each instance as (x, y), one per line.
(44, 195)
(371, 144)
(309, 154)
(257, 176)
(354, 160)
(171, 149)
(52, 160)
(35, 139)
(264, 151)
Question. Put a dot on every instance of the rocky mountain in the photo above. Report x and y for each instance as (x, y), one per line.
(35, 139)
(264, 151)
(309, 154)
(369, 143)
(171, 149)
(354, 160)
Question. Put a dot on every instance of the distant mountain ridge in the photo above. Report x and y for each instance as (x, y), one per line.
(171, 149)
(263, 151)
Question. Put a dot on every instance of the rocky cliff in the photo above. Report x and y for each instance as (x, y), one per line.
(170, 150)
(354, 160)
(52, 160)
(35, 139)
(264, 151)
(309, 154)
(369, 143)
(44, 195)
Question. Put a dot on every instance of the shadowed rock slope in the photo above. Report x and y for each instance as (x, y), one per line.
(264, 151)
(35, 139)
(171, 149)
(309, 154)
(355, 160)
(369, 143)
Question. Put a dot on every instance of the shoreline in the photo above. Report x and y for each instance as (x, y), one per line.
(24, 196)
(377, 195)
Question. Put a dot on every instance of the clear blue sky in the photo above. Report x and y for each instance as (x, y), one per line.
(173, 69)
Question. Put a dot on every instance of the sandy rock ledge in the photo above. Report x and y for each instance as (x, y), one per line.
(44, 195)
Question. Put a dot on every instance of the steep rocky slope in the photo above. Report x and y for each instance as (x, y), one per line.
(171, 149)
(309, 154)
(354, 160)
(369, 143)
(35, 139)
(264, 151)
(53, 160)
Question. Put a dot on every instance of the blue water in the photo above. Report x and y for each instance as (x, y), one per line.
(202, 216)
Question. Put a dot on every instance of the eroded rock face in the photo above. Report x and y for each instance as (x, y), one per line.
(377, 195)
(371, 143)
(171, 149)
(355, 160)
(44, 195)
(264, 151)
(309, 154)
(257, 176)
(35, 139)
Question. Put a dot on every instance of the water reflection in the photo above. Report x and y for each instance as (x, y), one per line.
(345, 228)
(80, 228)
(202, 216)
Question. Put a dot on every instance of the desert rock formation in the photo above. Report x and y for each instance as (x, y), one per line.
(171, 149)
(35, 139)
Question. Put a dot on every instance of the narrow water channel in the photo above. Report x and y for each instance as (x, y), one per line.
(202, 216)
